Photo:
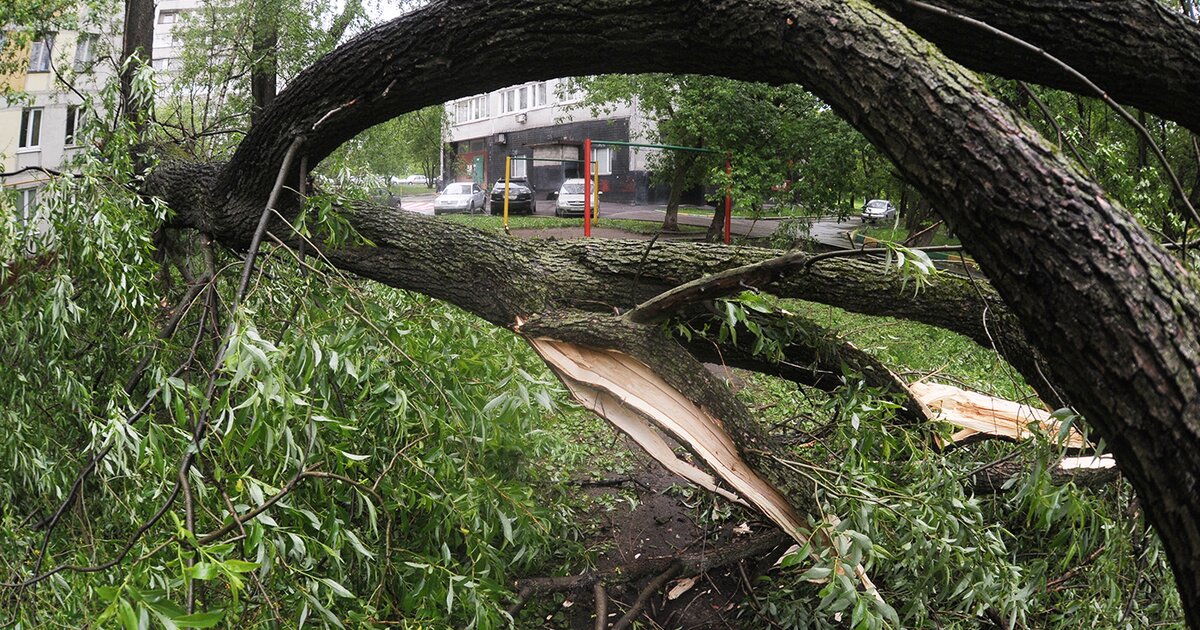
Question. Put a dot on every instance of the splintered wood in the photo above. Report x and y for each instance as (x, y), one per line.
(637, 401)
(976, 413)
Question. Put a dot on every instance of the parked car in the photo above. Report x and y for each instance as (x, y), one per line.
(385, 197)
(460, 197)
(520, 196)
(569, 201)
(416, 180)
(878, 209)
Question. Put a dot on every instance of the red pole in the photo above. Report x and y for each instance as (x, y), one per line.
(587, 187)
(728, 201)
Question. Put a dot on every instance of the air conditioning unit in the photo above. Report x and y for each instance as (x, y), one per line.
(501, 138)
(521, 118)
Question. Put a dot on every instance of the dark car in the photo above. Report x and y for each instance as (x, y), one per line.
(520, 197)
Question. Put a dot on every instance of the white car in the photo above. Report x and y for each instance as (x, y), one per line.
(416, 180)
(570, 199)
(460, 197)
(878, 209)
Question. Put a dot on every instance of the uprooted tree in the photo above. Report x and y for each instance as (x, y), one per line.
(1085, 303)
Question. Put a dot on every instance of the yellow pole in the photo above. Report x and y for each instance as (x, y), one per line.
(507, 170)
(596, 190)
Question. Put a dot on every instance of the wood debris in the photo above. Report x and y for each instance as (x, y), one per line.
(975, 413)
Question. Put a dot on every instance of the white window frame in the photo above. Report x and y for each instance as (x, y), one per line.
(520, 166)
(26, 204)
(570, 92)
(31, 129)
(169, 16)
(85, 51)
(75, 116)
(602, 157)
(541, 94)
(470, 109)
(39, 53)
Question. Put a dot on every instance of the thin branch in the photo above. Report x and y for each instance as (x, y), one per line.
(644, 596)
(265, 218)
(47, 171)
(601, 607)
(866, 251)
(1062, 137)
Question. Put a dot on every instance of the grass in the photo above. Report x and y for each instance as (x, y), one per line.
(913, 349)
(405, 190)
(898, 235)
(495, 223)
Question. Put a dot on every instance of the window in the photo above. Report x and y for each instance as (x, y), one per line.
(39, 54)
(26, 204)
(524, 97)
(165, 63)
(31, 128)
(469, 109)
(568, 91)
(74, 122)
(602, 158)
(85, 51)
(519, 166)
(479, 108)
(168, 17)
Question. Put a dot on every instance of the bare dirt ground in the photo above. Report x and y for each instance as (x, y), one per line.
(646, 516)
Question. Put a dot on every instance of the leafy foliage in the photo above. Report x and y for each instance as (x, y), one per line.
(371, 485)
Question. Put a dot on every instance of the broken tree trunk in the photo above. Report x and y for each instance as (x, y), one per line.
(1128, 354)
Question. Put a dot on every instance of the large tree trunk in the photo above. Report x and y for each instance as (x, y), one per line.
(1113, 315)
(1139, 51)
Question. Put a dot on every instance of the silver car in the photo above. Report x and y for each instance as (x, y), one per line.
(570, 199)
(878, 209)
(460, 197)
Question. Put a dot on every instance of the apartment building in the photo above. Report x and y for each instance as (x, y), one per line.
(56, 71)
(39, 123)
(532, 124)
(167, 52)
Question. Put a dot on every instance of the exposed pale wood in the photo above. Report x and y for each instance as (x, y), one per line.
(977, 413)
(633, 388)
(636, 427)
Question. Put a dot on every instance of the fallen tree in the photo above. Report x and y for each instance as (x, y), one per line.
(1050, 239)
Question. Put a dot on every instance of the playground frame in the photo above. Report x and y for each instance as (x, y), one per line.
(591, 185)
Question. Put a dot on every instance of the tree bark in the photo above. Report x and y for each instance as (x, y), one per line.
(136, 43)
(682, 165)
(1139, 51)
(264, 70)
(1113, 314)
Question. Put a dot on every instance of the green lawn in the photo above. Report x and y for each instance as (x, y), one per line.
(494, 223)
(913, 349)
(408, 189)
(884, 232)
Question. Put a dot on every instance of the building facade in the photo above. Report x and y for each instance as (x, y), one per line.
(533, 124)
(41, 118)
(54, 74)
